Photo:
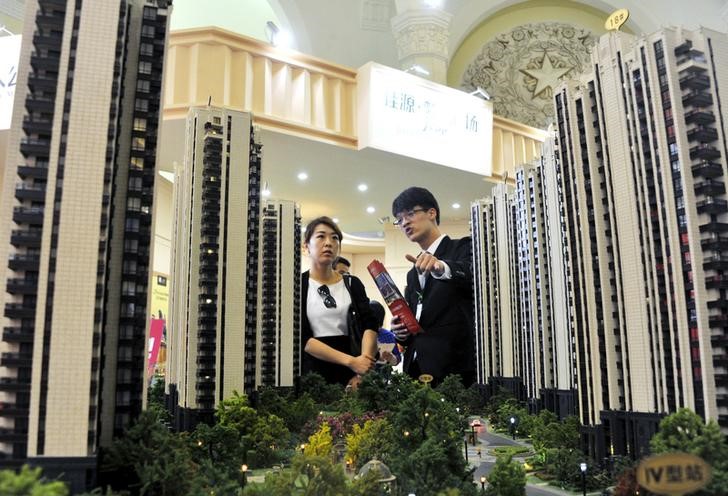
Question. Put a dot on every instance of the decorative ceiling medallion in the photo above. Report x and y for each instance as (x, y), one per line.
(546, 76)
(521, 68)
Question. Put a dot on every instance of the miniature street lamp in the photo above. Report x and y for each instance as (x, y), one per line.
(513, 427)
(583, 468)
(244, 470)
(482, 483)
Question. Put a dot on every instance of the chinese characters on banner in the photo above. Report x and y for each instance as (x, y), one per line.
(410, 116)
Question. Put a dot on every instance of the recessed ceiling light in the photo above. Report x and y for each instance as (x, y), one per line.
(371, 210)
(362, 187)
(336, 219)
(455, 205)
(302, 176)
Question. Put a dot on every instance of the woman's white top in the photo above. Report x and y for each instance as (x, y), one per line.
(326, 322)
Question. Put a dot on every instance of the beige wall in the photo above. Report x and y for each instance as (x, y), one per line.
(163, 226)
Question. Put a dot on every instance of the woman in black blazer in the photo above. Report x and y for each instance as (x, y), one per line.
(338, 335)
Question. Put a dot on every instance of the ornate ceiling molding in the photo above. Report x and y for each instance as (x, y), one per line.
(521, 67)
(422, 32)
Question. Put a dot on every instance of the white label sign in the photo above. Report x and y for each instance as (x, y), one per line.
(407, 115)
(9, 55)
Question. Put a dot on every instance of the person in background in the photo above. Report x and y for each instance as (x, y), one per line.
(439, 292)
(341, 265)
(338, 330)
(386, 341)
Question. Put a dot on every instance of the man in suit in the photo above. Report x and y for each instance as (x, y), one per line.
(341, 265)
(439, 292)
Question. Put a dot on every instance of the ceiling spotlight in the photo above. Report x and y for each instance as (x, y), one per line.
(302, 176)
(265, 192)
(362, 187)
(336, 220)
(418, 69)
(277, 36)
(371, 210)
(455, 205)
(433, 4)
(478, 91)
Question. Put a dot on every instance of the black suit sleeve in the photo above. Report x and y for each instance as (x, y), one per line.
(412, 304)
(461, 264)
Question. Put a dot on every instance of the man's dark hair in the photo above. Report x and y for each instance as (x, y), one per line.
(378, 311)
(321, 220)
(339, 260)
(415, 197)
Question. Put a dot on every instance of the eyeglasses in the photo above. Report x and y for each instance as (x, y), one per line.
(329, 301)
(408, 215)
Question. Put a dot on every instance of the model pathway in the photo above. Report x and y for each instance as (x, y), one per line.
(479, 457)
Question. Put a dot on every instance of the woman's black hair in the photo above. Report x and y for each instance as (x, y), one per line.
(320, 220)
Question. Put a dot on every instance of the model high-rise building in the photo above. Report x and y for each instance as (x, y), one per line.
(213, 311)
(558, 379)
(499, 357)
(523, 333)
(548, 366)
(643, 163)
(76, 229)
(279, 295)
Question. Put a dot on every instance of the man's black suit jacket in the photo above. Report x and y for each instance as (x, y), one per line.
(446, 345)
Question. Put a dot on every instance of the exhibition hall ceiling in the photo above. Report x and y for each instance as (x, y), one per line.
(335, 173)
(516, 50)
(353, 32)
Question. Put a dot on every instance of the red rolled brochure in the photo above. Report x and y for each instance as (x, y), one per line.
(392, 296)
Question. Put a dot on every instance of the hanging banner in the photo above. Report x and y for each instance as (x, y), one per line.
(157, 347)
(407, 115)
(156, 333)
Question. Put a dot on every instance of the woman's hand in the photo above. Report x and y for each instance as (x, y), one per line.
(361, 364)
(354, 382)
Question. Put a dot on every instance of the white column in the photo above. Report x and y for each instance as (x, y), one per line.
(422, 34)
